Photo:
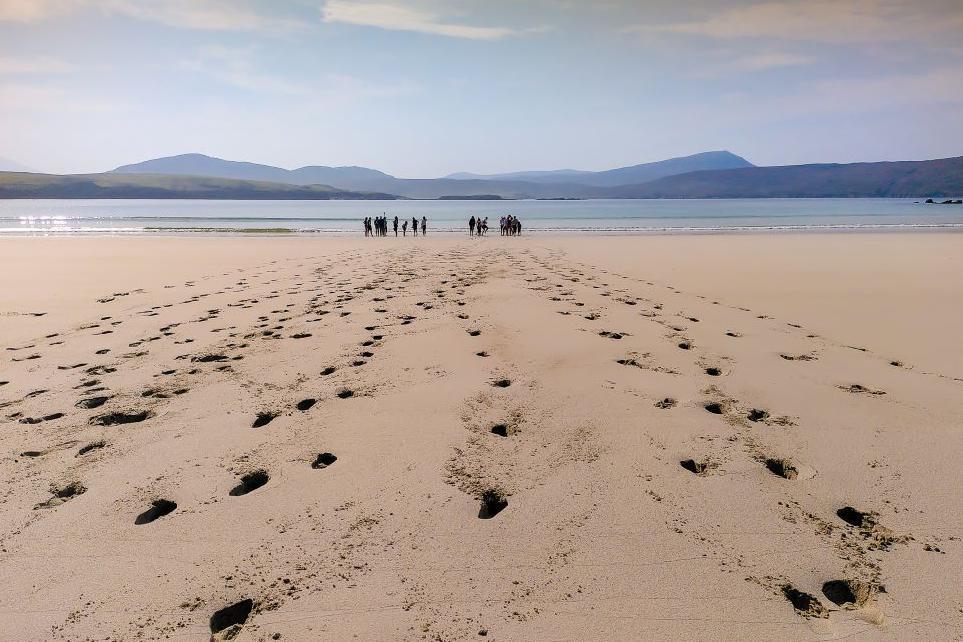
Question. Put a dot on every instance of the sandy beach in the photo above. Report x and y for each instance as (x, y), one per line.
(712, 437)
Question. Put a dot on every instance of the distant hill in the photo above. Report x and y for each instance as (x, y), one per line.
(937, 178)
(624, 175)
(555, 184)
(26, 185)
(7, 165)
(199, 176)
(359, 179)
(201, 165)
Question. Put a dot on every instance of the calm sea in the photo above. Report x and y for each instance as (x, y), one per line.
(118, 217)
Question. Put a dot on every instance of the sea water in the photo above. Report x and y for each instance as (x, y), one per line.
(43, 217)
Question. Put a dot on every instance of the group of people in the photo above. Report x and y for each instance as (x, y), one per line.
(378, 226)
(509, 226)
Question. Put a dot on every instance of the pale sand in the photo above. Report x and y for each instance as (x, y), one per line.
(605, 535)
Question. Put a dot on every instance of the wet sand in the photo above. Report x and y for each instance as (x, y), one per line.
(571, 438)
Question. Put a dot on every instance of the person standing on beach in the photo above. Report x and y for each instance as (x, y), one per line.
(424, 226)
(471, 226)
(414, 226)
(396, 225)
(404, 228)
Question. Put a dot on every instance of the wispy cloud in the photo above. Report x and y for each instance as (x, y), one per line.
(826, 21)
(209, 15)
(212, 15)
(239, 67)
(395, 16)
(732, 62)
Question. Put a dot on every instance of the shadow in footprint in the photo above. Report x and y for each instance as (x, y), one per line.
(492, 503)
(263, 419)
(305, 404)
(782, 467)
(855, 517)
(715, 408)
(500, 429)
(806, 604)
(502, 383)
(250, 482)
(757, 415)
(116, 418)
(697, 467)
(94, 445)
(158, 509)
(849, 594)
(323, 461)
(233, 615)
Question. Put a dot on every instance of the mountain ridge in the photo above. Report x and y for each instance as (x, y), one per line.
(160, 186)
(633, 174)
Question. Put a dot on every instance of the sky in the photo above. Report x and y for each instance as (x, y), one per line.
(423, 88)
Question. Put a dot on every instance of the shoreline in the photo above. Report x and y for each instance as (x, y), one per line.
(452, 233)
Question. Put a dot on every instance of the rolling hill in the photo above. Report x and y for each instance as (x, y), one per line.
(625, 175)
(26, 185)
(918, 179)
(563, 183)
(937, 178)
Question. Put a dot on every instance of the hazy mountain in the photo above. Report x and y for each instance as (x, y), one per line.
(649, 180)
(937, 178)
(7, 165)
(553, 184)
(347, 178)
(23, 185)
(201, 165)
(624, 175)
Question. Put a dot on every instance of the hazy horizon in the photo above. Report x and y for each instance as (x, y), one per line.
(424, 88)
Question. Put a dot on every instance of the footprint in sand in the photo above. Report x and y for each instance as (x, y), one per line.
(250, 482)
(63, 494)
(159, 508)
(323, 461)
(493, 501)
(264, 418)
(234, 615)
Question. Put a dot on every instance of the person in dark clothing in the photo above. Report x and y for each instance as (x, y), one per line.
(404, 228)
(414, 226)
(424, 226)
(471, 226)
(396, 226)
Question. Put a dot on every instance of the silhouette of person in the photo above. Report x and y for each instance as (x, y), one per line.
(396, 226)
(471, 226)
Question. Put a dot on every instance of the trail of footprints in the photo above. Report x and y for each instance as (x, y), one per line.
(846, 593)
(322, 290)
